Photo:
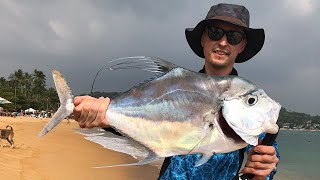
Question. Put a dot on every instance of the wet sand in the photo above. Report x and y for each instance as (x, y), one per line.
(61, 154)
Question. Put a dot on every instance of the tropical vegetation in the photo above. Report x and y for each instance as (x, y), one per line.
(28, 90)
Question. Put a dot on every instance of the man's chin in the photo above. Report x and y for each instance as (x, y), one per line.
(218, 63)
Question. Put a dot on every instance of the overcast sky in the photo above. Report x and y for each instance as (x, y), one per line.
(78, 37)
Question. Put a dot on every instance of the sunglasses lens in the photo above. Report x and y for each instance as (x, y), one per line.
(234, 37)
(214, 33)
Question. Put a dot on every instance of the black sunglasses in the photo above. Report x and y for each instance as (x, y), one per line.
(233, 37)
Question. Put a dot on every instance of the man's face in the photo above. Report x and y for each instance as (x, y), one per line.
(221, 54)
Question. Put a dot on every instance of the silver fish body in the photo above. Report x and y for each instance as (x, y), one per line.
(175, 114)
(184, 112)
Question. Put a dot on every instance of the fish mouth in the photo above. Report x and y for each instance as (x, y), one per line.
(227, 130)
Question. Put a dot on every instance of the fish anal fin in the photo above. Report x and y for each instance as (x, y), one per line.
(152, 157)
(204, 159)
(117, 143)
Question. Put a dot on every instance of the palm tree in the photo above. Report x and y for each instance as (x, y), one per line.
(52, 98)
(15, 80)
(5, 89)
(27, 83)
(39, 83)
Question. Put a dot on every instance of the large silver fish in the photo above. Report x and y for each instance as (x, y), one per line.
(181, 112)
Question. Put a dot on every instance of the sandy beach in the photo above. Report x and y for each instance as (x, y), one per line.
(62, 154)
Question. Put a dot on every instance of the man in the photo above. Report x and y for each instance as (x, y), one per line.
(222, 39)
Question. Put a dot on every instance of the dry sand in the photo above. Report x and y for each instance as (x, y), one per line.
(61, 154)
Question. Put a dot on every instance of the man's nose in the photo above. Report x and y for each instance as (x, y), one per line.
(223, 41)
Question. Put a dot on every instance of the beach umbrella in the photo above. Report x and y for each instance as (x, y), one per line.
(4, 101)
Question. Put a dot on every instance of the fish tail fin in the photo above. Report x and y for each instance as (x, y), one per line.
(66, 102)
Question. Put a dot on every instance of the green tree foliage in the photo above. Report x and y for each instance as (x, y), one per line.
(26, 90)
(295, 118)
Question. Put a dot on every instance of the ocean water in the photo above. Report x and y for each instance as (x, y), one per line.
(299, 152)
(299, 155)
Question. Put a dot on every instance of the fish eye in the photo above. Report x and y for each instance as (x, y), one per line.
(251, 100)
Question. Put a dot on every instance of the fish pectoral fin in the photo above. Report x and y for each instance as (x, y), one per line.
(204, 159)
(152, 157)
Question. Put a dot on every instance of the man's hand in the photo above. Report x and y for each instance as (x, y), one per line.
(91, 112)
(262, 160)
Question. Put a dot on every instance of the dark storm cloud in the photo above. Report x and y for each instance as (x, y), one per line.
(79, 37)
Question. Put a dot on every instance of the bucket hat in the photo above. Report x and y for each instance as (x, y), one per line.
(235, 14)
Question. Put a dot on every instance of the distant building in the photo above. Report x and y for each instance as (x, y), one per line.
(308, 125)
(317, 126)
(286, 125)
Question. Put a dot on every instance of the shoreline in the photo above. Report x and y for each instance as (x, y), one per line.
(304, 130)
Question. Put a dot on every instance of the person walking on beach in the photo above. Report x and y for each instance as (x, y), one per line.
(223, 38)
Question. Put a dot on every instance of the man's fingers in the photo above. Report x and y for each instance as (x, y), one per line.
(261, 166)
(77, 111)
(86, 107)
(78, 99)
(265, 158)
(101, 116)
(262, 160)
(93, 111)
(258, 174)
(78, 102)
(97, 112)
(261, 149)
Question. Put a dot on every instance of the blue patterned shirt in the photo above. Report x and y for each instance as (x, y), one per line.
(219, 166)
